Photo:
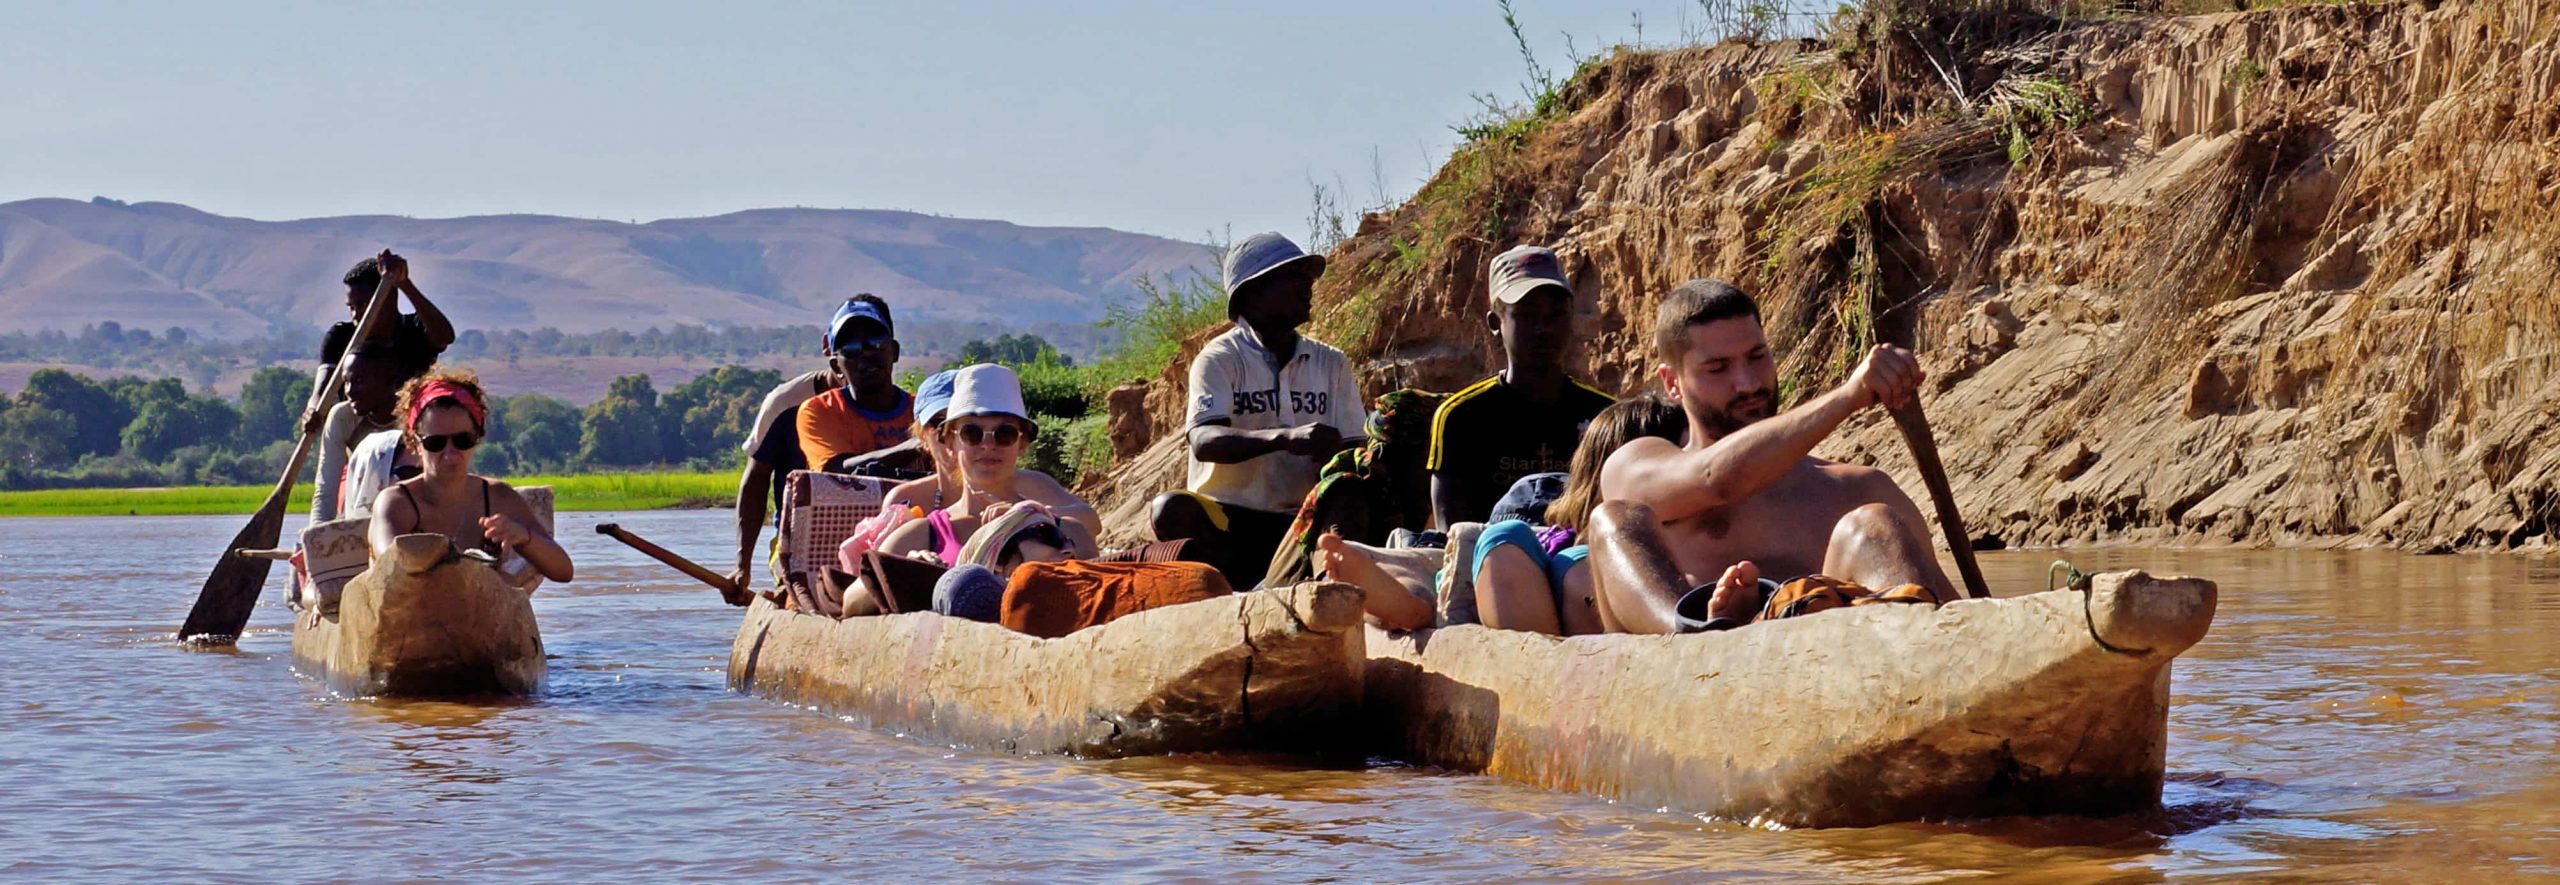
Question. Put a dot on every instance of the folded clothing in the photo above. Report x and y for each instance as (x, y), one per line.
(970, 591)
(1053, 599)
(1794, 599)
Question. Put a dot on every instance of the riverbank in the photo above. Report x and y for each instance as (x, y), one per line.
(599, 491)
(2263, 278)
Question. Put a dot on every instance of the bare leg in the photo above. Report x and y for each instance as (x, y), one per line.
(1883, 547)
(1580, 616)
(1395, 604)
(1512, 593)
(1631, 564)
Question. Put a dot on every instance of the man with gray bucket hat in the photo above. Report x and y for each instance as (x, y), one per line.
(1266, 407)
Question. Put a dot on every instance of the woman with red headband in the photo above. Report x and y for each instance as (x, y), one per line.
(444, 415)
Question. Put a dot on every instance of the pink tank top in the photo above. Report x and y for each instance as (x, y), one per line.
(946, 543)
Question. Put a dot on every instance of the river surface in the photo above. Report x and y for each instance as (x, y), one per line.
(2353, 717)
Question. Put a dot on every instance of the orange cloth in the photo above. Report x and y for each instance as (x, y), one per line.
(1053, 599)
(831, 425)
(1817, 593)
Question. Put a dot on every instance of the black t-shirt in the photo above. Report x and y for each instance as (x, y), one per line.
(408, 345)
(1490, 434)
(781, 451)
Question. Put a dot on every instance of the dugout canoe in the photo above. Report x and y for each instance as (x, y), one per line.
(424, 621)
(2055, 702)
(1271, 670)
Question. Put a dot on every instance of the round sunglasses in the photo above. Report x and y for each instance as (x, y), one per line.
(978, 435)
(461, 442)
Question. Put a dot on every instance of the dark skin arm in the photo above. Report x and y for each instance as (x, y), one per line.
(754, 484)
(315, 419)
(1449, 505)
(1218, 443)
(395, 272)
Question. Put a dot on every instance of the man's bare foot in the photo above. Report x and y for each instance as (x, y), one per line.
(1737, 593)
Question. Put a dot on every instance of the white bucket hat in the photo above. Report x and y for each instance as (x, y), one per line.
(986, 389)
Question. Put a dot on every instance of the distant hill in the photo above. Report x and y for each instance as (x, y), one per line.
(65, 264)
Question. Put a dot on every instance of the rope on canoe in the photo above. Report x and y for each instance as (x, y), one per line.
(2063, 574)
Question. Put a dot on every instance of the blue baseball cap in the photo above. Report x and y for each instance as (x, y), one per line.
(854, 310)
(1260, 254)
(933, 397)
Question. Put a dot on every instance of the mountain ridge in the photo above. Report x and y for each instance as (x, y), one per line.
(66, 263)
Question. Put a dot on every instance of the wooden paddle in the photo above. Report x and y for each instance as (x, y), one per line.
(1924, 452)
(231, 592)
(729, 591)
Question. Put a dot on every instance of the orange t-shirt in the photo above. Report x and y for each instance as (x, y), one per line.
(831, 425)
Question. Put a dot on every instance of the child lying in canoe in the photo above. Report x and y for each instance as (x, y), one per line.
(1528, 571)
(444, 417)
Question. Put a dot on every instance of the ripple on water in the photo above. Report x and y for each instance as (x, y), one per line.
(2398, 730)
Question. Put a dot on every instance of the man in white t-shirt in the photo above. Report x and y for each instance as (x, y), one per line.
(1267, 407)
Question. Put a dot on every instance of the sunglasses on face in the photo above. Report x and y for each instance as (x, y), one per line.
(850, 344)
(979, 434)
(461, 442)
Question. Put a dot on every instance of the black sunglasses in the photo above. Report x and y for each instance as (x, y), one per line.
(849, 344)
(462, 442)
(977, 435)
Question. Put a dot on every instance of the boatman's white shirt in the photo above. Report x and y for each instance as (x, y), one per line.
(1235, 379)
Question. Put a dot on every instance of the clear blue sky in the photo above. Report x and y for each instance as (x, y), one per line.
(1175, 118)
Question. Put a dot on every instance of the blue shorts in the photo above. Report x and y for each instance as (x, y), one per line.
(1515, 533)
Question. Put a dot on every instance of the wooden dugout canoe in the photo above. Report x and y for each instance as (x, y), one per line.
(419, 619)
(1274, 670)
(424, 621)
(2055, 702)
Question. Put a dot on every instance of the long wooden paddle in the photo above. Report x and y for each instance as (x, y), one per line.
(231, 591)
(1924, 452)
(730, 592)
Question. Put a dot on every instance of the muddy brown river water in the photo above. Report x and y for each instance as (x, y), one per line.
(2353, 717)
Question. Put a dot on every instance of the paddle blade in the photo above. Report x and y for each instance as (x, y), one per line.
(231, 591)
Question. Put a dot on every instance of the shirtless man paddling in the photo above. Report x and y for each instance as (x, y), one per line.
(1744, 497)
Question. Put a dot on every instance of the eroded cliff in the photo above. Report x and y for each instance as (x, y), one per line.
(2283, 277)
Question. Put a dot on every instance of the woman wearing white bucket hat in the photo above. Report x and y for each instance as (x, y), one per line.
(933, 406)
(986, 430)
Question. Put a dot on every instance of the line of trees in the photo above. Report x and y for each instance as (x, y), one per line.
(175, 352)
(65, 429)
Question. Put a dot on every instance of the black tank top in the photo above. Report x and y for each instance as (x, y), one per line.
(487, 546)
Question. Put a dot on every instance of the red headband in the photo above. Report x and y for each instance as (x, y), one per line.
(446, 391)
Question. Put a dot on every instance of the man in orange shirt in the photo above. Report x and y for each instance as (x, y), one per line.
(869, 412)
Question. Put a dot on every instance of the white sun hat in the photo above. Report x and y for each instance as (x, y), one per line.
(986, 389)
(1260, 254)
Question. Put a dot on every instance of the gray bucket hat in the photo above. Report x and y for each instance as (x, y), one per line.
(1260, 254)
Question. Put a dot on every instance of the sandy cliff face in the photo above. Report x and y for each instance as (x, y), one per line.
(2288, 277)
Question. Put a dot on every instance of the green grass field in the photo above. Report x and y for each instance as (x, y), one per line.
(598, 491)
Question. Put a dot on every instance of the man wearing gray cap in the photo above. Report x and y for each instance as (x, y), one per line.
(1527, 418)
(1267, 407)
